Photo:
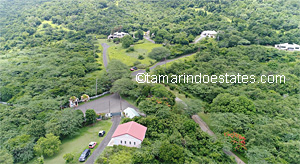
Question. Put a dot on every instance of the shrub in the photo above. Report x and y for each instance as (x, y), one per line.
(141, 66)
(237, 141)
(116, 40)
(136, 63)
(130, 49)
(141, 57)
(90, 116)
(68, 157)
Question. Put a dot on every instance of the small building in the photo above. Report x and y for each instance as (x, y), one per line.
(211, 34)
(147, 33)
(288, 47)
(130, 134)
(117, 35)
(130, 113)
(73, 102)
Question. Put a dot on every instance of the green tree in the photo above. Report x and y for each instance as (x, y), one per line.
(40, 160)
(117, 70)
(21, 148)
(139, 34)
(47, 146)
(159, 53)
(6, 157)
(90, 116)
(171, 153)
(36, 129)
(69, 157)
(124, 87)
(127, 41)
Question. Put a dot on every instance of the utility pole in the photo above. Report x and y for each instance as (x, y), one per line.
(120, 102)
(96, 86)
(94, 48)
(109, 106)
(94, 51)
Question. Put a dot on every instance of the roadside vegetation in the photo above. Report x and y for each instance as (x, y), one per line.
(76, 144)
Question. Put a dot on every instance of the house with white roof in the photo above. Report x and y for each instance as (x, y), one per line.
(130, 113)
(130, 134)
(117, 35)
(288, 47)
(211, 34)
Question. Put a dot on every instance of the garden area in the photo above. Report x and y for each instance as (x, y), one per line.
(136, 55)
(80, 141)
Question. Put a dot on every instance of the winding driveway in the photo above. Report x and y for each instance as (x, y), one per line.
(105, 47)
(206, 129)
(158, 64)
(201, 37)
(148, 38)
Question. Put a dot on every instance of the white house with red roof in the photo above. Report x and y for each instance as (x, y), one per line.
(129, 134)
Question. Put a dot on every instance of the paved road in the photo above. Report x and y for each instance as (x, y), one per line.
(105, 47)
(148, 38)
(206, 129)
(101, 105)
(201, 37)
(116, 121)
(159, 63)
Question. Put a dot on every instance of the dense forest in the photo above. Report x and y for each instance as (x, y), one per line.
(49, 52)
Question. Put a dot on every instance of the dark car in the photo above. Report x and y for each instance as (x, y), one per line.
(101, 133)
(84, 155)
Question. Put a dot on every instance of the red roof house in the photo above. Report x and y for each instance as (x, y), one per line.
(129, 134)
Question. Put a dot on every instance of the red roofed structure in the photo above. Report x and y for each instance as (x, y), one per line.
(129, 134)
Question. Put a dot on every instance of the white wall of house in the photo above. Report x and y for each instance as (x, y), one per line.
(127, 140)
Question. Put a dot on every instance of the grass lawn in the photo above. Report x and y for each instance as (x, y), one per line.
(118, 52)
(241, 156)
(53, 26)
(187, 58)
(78, 143)
(207, 119)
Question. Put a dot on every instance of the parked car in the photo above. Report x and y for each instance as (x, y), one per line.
(133, 68)
(84, 155)
(101, 133)
(108, 115)
(92, 145)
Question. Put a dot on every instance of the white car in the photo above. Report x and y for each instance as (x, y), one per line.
(101, 133)
(108, 115)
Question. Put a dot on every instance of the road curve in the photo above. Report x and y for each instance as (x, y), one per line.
(116, 121)
(148, 38)
(107, 104)
(206, 129)
(201, 37)
(159, 63)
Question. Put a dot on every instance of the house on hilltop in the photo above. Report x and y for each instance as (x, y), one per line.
(130, 134)
(211, 34)
(117, 35)
(288, 47)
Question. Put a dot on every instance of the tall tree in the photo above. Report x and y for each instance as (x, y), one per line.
(47, 146)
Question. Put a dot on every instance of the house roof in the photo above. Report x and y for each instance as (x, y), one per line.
(130, 112)
(287, 44)
(131, 128)
(209, 32)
